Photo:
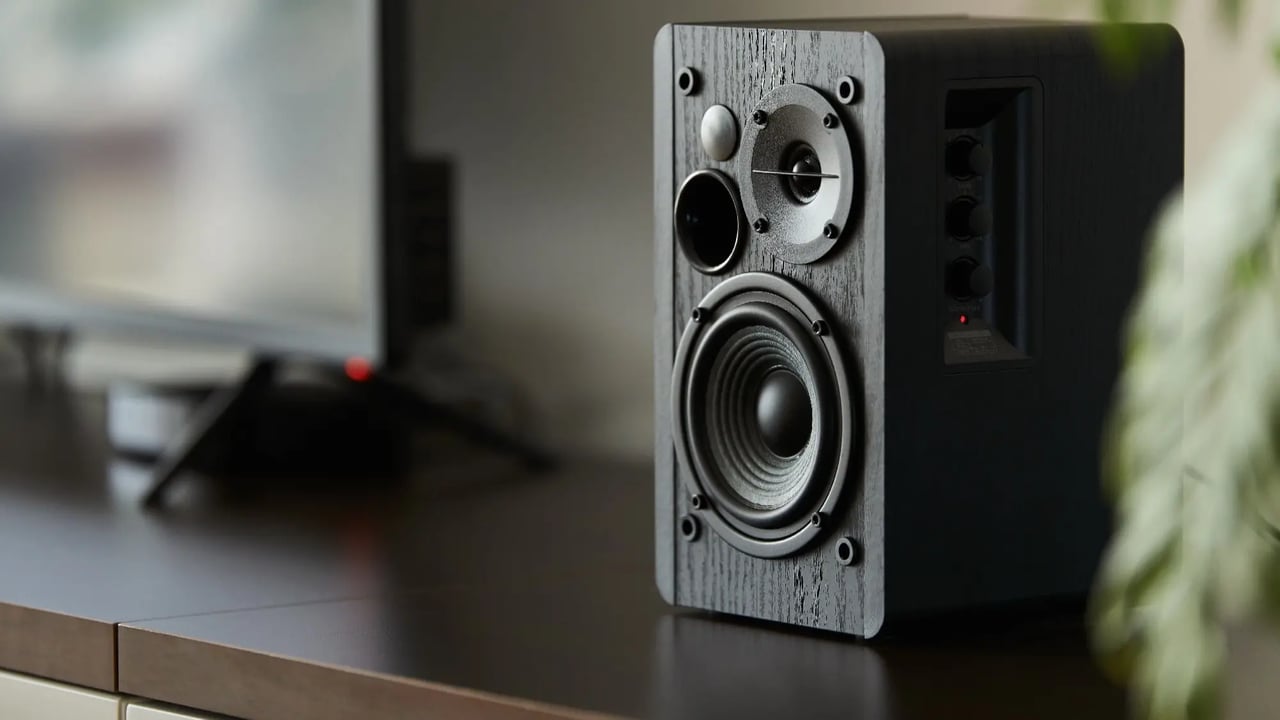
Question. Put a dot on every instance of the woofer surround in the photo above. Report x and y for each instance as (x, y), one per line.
(729, 411)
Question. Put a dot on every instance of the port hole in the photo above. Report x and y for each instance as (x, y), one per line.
(708, 220)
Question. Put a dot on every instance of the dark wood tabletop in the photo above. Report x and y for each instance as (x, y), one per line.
(470, 589)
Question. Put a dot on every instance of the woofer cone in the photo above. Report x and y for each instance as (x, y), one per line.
(746, 477)
(750, 371)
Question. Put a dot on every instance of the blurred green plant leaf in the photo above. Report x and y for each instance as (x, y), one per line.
(1192, 462)
(1229, 12)
(1125, 47)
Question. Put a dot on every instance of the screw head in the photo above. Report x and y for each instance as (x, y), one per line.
(687, 81)
(760, 118)
(846, 89)
(829, 121)
(820, 327)
(761, 225)
(698, 315)
(830, 231)
(697, 502)
(848, 551)
(816, 519)
(690, 528)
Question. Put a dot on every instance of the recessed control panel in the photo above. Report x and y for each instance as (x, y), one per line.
(989, 236)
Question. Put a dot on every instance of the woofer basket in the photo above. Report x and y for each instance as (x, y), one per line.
(762, 500)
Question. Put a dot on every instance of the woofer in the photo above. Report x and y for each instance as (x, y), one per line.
(762, 413)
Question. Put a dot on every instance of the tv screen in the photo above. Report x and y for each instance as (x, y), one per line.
(206, 167)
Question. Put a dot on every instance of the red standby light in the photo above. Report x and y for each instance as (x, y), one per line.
(358, 369)
(964, 319)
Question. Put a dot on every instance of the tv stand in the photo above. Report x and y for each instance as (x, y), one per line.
(235, 402)
(43, 353)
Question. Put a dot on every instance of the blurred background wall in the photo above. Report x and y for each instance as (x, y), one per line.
(545, 105)
(545, 108)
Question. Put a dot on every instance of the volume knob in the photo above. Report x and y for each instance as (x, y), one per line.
(967, 218)
(967, 157)
(968, 279)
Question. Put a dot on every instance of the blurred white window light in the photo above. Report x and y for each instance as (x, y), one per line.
(210, 158)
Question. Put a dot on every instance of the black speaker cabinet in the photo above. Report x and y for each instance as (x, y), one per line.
(893, 263)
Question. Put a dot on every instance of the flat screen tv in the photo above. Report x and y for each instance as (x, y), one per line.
(225, 170)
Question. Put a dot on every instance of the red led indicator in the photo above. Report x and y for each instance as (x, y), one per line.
(358, 369)
(964, 319)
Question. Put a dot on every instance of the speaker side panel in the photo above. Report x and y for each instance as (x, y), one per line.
(664, 329)
(995, 494)
(737, 67)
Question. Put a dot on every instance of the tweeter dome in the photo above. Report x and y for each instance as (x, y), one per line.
(893, 259)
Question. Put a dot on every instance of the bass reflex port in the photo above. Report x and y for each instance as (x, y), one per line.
(709, 220)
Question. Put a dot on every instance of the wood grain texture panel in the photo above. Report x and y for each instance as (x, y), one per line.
(738, 67)
(57, 646)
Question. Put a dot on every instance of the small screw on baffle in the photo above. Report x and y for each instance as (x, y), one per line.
(829, 121)
(820, 327)
(760, 118)
(848, 551)
(761, 225)
(690, 528)
(830, 231)
(698, 315)
(687, 81)
(816, 519)
(846, 90)
(697, 501)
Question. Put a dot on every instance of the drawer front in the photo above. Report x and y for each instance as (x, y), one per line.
(27, 698)
(149, 711)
